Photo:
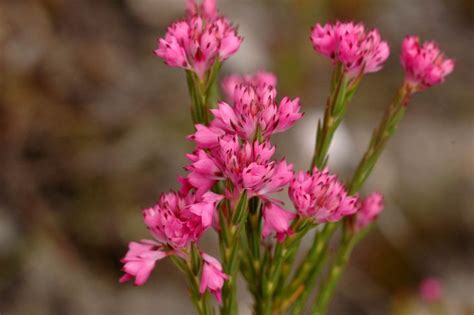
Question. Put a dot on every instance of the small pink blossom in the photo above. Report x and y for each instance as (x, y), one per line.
(178, 220)
(278, 220)
(425, 65)
(369, 210)
(431, 290)
(198, 42)
(261, 78)
(349, 44)
(212, 277)
(255, 112)
(321, 196)
(140, 260)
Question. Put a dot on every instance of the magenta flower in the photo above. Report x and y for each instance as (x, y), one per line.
(260, 79)
(178, 220)
(349, 44)
(321, 196)
(277, 220)
(140, 260)
(425, 65)
(199, 41)
(431, 290)
(255, 113)
(212, 277)
(369, 210)
(246, 165)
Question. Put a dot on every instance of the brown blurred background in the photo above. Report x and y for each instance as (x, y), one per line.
(93, 126)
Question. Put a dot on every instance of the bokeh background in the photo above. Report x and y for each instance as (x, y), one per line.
(93, 126)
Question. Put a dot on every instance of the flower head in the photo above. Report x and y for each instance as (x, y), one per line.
(261, 79)
(369, 210)
(199, 41)
(212, 277)
(140, 260)
(276, 219)
(424, 65)
(321, 196)
(431, 290)
(178, 220)
(349, 44)
(254, 112)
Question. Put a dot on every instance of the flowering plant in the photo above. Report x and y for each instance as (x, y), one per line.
(232, 176)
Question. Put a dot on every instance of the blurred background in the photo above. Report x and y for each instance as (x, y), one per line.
(93, 126)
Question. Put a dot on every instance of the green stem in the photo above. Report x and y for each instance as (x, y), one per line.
(230, 238)
(328, 287)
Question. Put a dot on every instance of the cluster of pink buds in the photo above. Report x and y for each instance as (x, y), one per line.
(370, 209)
(321, 196)
(199, 41)
(350, 45)
(424, 65)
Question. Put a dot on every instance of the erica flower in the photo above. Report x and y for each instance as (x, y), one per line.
(212, 277)
(199, 41)
(178, 220)
(246, 165)
(349, 44)
(425, 65)
(261, 78)
(140, 260)
(369, 210)
(254, 112)
(431, 290)
(276, 219)
(321, 196)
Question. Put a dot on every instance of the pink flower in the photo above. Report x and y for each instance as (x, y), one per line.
(212, 277)
(255, 113)
(349, 44)
(321, 196)
(369, 210)
(140, 260)
(198, 42)
(431, 290)
(178, 220)
(246, 165)
(207, 9)
(276, 219)
(425, 65)
(261, 78)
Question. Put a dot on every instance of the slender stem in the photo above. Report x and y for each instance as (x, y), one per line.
(230, 238)
(342, 257)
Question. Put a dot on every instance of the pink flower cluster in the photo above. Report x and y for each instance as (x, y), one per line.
(424, 65)
(200, 40)
(176, 221)
(349, 44)
(321, 196)
(431, 290)
(370, 208)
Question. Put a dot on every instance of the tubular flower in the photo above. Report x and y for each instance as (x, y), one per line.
(212, 277)
(255, 113)
(178, 220)
(261, 78)
(278, 220)
(199, 41)
(140, 260)
(424, 65)
(349, 44)
(246, 165)
(321, 196)
(369, 210)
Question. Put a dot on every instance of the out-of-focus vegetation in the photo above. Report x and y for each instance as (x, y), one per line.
(93, 126)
